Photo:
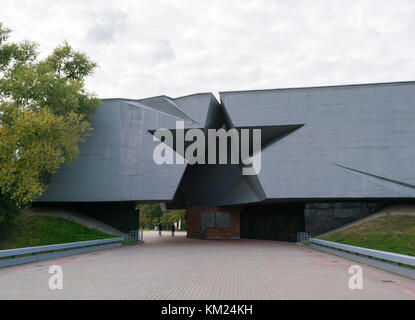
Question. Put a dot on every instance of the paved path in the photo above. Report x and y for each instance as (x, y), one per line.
(181, 268)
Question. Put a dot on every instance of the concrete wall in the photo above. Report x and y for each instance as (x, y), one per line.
(324, 217)
(356, 142)
(116, 161)
(350, 143)
(279, 222)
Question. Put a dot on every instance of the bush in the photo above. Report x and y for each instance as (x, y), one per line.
(9, 214)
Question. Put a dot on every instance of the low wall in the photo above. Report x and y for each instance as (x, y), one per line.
(321, 217)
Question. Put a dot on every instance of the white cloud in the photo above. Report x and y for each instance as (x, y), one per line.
(147, 48)
(107, 26)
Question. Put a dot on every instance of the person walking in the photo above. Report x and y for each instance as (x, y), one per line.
(172, 230)
(159, 227)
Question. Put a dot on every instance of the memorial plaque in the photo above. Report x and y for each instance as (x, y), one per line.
(216, 219)
(208, 219)
(223, 219)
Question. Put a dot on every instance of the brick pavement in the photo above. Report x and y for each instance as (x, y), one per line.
(181, 268)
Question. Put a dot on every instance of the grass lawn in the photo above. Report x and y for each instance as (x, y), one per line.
(393, 233)
(43, 230)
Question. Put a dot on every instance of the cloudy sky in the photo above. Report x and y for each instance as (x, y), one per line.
(179, 47)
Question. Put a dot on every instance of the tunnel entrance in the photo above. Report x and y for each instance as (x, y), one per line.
(279, 222)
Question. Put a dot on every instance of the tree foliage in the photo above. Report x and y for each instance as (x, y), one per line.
(148, 214)
(33, 145)
(170, 217)
(44, 113)
(151, 215)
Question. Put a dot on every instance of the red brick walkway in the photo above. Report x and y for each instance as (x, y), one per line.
(181, 268)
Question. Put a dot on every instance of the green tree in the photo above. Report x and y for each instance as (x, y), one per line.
(44, 112)
(155, 222)
(170, 217)
(148, 213)
(33, 145)
(166, 220)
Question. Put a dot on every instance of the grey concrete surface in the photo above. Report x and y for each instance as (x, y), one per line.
(116, 161)
(181, 268)
(356, 141)
(339, 142)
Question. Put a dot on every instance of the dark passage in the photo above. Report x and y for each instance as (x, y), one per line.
(120, 215)
(272, 222)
